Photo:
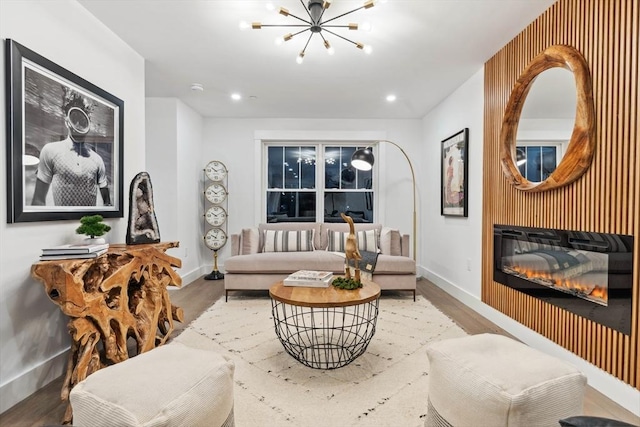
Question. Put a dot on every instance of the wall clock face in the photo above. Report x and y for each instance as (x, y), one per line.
(215, 238)
(215, 171)
(216, 193)
(216, 215)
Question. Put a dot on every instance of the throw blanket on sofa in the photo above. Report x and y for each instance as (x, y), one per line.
(368, 261)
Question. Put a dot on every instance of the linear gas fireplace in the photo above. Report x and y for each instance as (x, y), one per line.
(589, 274)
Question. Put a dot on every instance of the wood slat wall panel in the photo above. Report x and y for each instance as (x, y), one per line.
(606, 199)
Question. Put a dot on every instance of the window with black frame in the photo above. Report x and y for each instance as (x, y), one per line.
(309, 183)
(537, 162)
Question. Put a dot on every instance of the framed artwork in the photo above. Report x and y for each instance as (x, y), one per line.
(64, 142)
(454, 175)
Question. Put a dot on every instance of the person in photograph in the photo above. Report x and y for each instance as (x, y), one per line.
(74, 172)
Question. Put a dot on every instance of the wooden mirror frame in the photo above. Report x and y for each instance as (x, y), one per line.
(581, 147)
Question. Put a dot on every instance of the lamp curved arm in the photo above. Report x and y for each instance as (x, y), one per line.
(413, 178)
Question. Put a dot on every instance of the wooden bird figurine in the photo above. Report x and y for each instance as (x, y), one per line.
(351, 249)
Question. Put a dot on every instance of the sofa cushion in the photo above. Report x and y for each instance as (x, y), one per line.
(390, 264)
(250, 241)
(367, 240)
(279, 263)
(288, 241)
(390, 241)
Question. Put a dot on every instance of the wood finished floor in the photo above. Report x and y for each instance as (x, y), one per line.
(44, 407)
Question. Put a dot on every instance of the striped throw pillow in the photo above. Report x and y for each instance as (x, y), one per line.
(288, 241)
(367, 240)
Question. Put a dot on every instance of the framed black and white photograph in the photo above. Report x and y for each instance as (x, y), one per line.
(64, 145)
(454, 174)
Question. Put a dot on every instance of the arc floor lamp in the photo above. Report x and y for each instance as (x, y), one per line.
(363, 159)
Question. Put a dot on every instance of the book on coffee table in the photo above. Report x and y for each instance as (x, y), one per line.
(309, 278)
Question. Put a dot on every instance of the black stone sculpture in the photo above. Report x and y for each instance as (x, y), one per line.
(143, 225)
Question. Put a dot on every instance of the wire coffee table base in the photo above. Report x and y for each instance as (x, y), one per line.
(325, 337)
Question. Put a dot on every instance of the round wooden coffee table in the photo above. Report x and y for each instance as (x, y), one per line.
(325, 328)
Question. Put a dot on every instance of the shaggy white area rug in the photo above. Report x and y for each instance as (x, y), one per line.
(386, 386)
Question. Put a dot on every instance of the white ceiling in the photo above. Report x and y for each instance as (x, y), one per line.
(422, 51)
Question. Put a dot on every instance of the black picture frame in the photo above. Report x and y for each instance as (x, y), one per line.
(454, 199)
(39, 94)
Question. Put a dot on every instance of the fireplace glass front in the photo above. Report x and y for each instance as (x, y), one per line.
(590, 274)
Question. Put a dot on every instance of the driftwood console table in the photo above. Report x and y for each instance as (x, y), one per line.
(112, 300)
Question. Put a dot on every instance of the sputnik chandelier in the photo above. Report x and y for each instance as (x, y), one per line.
(315, 24)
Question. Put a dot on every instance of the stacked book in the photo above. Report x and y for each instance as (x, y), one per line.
(74, 251)
(309, 278)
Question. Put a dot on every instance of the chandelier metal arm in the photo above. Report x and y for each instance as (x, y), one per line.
(283, 25)
(340, 16)
(343, 38)
(307, 44)
(300, 19)
(300, 32)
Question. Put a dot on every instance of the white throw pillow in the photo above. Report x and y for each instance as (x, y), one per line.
(288, 241)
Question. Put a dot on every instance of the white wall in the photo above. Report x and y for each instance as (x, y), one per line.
(189, 197)
(33, 330)
(173, 147)
(454, 250)
(455, 241)
(233, 141)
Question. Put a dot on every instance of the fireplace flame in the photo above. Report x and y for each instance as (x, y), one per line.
(592, 292)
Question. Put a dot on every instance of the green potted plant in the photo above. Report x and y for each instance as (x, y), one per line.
(93, 227)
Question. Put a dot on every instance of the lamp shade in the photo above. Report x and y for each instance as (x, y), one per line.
(363, 159)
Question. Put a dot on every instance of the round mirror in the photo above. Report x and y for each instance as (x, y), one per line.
(545, 124)
(548, 141)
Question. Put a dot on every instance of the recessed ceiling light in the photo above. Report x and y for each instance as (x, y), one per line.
(391, 98)
(236, 96)
(197, 87)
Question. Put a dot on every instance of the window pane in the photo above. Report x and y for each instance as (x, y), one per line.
(533, 164)
(291, 167)
(274, 167)
(307, 167)
(364, 179)
(358, 205)
(332, 167)
(549, 161)
(347, 172)
(291, 206)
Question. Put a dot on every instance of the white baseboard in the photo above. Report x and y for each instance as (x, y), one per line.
(188, 277)
(615, 389)
(25, 385)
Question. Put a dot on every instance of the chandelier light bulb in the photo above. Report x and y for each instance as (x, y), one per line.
(244, 25)
(270, 6)
(278, 41)
(368, 49)
(391, 98)
(330, 49)
(300, 58)
(365, 26)
(236, 96)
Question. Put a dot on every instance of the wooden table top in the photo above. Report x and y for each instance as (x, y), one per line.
(324, 297)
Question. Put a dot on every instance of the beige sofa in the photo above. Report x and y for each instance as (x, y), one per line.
(256, 266)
